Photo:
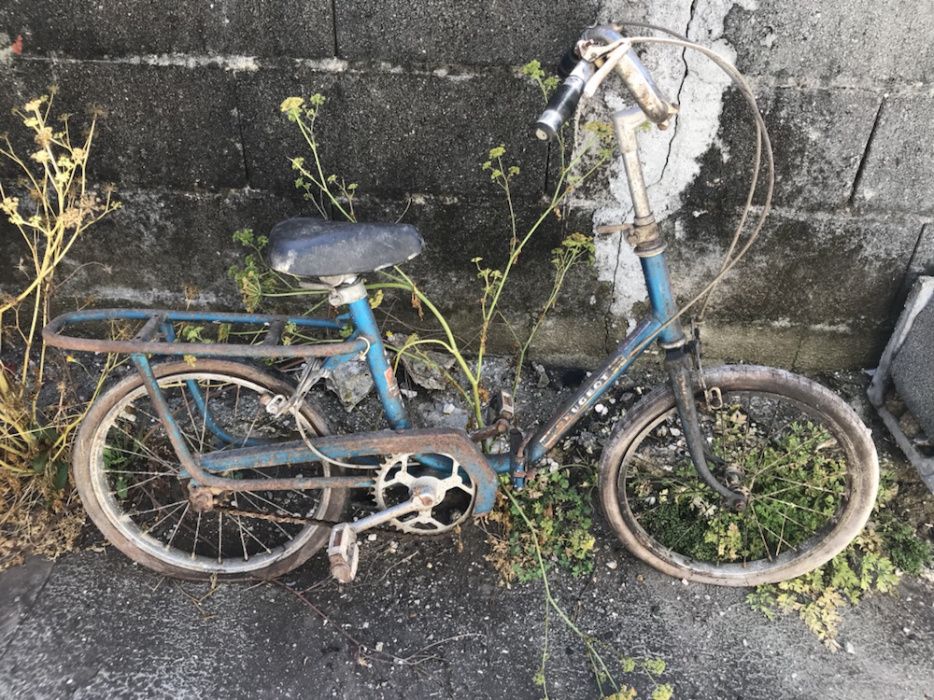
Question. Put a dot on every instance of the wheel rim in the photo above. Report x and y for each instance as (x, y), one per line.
(133, 465)
(793, 461)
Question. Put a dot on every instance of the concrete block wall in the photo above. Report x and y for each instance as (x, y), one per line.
(419, 92)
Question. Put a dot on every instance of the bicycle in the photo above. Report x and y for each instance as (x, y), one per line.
(212, 467)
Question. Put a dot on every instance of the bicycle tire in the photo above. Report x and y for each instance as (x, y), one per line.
(852, 438)
(91, 476)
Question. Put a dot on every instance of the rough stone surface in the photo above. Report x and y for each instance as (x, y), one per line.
(863, 42)
(512, 32)
(160, 249)
(898, 173)
(417, 96)
(135, 27)
(922, 261)
(816, 158)
(164, 126)
(424, 133)
(271, 141)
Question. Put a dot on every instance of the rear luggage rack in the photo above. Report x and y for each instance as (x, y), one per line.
(157, 335)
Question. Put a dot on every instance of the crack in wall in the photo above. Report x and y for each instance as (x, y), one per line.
(671, 159)
(858, 178)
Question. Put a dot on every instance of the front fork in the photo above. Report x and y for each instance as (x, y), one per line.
(680, 374)
(647, 243)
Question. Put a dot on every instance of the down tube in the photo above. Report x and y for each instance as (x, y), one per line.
(585, 398)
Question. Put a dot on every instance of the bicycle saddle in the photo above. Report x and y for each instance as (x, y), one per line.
(311, 247)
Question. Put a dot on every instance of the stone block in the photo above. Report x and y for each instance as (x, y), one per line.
(841, 273)
(164, 126)
(270, 140)
(863, 42)
(511, 32)
(816, 157)
(160, 249)
(301, 28)
(898, 174)
(394, 133)
(431, 133)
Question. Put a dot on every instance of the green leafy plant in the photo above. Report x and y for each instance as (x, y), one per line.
(558, 502)
(873, 562)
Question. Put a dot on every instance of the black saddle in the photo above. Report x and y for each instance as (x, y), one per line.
(309, 247)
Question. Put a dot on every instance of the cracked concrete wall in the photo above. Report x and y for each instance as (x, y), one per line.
(418, 92)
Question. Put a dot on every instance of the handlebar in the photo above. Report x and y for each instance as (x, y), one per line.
(624, 62)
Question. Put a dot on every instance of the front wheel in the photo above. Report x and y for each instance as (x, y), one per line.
(801, 455)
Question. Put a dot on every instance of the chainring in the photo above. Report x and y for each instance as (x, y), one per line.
(393, 484)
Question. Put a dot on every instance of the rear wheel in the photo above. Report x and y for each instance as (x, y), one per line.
(802, 456)
(128, 476)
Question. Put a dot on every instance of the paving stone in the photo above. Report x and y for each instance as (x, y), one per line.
(137, 27)
(863, 42)
(437, 31)
(898, 173)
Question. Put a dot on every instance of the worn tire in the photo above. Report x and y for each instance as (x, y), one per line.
(82, 470)
(851, 433)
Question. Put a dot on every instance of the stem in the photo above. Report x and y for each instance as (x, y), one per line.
(588, 643)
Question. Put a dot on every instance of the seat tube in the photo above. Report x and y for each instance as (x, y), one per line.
(385, 379)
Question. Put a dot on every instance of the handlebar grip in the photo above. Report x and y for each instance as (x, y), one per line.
(563, 102)
(568, 62)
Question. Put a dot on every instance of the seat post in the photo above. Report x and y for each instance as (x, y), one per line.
(354, 295)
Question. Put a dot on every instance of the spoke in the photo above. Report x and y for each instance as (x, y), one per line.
(137, 484)
(194, 542)
(158, 508)
(152, 454)
(255, 539)
(135, 473)
(812, 485)
(175, 530)
(246, 557)
(160, 520)
(220, 537)
(281, 529)
(765, 544)
(795, 505)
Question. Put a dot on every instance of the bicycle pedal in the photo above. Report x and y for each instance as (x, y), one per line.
(343, 553)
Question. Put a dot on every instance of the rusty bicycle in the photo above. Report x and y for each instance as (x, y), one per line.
(214, 467)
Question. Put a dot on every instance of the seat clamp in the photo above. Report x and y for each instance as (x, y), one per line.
(347, 294)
